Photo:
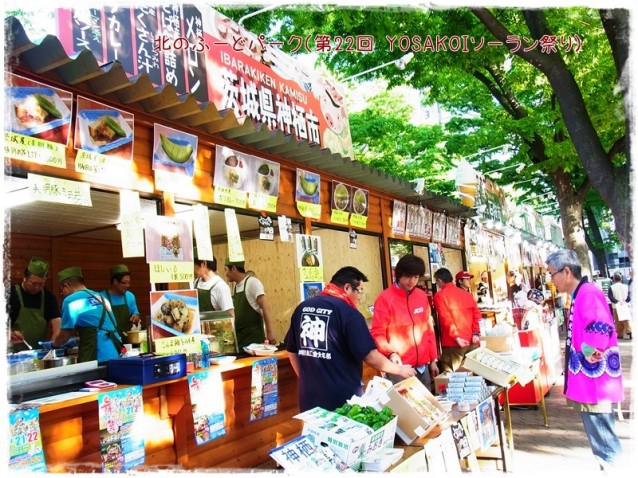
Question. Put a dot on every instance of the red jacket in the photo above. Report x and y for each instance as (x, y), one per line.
(458, 314)
(403, 324)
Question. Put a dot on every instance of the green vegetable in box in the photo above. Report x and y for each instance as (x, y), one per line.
(367, 415)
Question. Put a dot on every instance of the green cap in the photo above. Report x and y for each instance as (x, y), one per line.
(38, 267)
(230, 263)
(119, 269)
(69, 272)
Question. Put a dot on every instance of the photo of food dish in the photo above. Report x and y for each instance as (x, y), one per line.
(36, 109)
(340, 197)
(360, 202)
(175, 313)
(234, 168)
(266, 179)
(175, 153)
(307, 186)
(103, 130)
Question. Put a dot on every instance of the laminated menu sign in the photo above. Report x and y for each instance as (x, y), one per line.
(103, 138)
(25, 441)
(309, 258)
(308, 194)
(264, 389)
(169, 239)
(38, 121)
(131, 228)
(121, 417)
(207, 399)
(175, 321)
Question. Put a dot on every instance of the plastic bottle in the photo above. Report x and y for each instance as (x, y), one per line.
(205, 353)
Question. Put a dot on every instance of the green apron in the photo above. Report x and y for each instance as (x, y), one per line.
(249, 324)
(30, 322)
(203, 296)
(88, 336)
(121, 313)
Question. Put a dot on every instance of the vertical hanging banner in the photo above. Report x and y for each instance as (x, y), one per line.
(264, 389)
(169, 249)
(266, 229)
(235, 250)
(399, 212)
(201, 231)
(285, 228)
(207, 398)
(121, 417)
(37, 122)
(453, 231)
(25, 441)
(308, 194)
(131, 229)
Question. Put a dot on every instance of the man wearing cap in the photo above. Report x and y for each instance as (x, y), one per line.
(123, 303)
(33, 309)
(251, 307)
(212, 291)
(463, 281)
(90, 314)
(458, 317)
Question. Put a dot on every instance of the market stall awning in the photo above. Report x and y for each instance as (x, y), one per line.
(46, 57)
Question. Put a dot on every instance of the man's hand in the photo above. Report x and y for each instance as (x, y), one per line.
(395, 358)
(462, 342)
(406, 371)
(434, 369)
(16, 336)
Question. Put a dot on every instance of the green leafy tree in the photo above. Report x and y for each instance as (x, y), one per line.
(563, 113)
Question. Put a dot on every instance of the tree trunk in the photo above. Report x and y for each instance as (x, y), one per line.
(570, 203)
(594, 239)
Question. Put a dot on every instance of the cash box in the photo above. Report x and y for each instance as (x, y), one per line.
(146, 369)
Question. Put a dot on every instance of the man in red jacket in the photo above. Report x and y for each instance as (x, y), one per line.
(402, 325)
(458, 319)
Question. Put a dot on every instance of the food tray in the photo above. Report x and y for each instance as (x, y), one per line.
(222, 360)
(474, 361)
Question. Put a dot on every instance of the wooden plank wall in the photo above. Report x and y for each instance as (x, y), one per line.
(94, 256)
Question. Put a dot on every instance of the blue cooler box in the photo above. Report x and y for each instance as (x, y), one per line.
(146, 369)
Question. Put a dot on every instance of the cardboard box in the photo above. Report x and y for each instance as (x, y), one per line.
(501, 343)
(479, 360)
(351, 441)
(417, 410)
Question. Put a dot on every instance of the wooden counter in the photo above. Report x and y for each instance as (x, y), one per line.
(71, 436)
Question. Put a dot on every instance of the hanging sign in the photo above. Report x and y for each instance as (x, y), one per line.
(175, 321)
(399, 211)
(201, 229)
(169, 239)
(63, 191)
(359, 208)
(340, 203)
(131, 229)
(308, 194)
(285, 228)
(309, 258)
(38, 121)
(235, 250)
(439, 220)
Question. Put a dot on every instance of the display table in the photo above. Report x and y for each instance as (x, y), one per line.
(71, 435)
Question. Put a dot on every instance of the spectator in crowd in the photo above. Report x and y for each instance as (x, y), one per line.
(402, 325)
(33, 309)
(620, 297)
(593, 380)
(328, 341)
(459, 317)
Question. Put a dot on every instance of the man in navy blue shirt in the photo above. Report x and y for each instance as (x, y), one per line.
(329, 340)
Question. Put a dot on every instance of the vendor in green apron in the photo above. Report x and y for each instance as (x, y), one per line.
(251, 308)
(90, 314)
(33, 309)
(123, 303)
(213, 293)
